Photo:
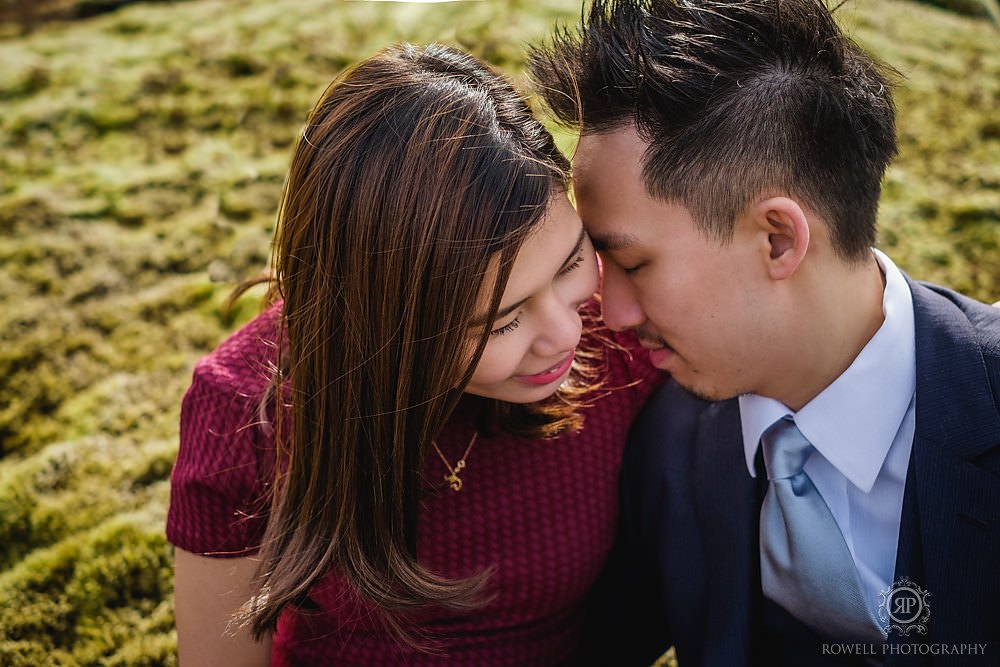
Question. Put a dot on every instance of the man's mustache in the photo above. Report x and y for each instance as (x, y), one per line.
(648, 338)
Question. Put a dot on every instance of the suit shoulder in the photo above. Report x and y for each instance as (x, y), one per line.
(666, 427)
(974, 326)
(983, 319)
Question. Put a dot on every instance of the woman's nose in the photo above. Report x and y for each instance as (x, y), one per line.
(560, 330)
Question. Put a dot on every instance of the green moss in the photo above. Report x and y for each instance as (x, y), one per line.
(147, 650)
(121, 566)
(248, 200)
(34, 79)
(142, 156)
(31, 654)
(27, 213)
(16, 505)
(978, 8)
(92, 593)
(241, 65)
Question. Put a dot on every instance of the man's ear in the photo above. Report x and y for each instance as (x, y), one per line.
(787, 229)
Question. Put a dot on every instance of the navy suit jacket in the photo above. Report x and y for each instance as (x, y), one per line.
(686, 571)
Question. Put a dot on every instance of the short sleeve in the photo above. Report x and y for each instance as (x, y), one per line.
(218, 485)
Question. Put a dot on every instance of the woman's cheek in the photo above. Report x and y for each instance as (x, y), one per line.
(499, 362)
(591, 277)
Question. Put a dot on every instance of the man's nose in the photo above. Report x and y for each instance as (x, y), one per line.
(620, 307)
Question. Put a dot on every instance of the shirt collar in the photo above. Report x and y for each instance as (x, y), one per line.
(853, 422)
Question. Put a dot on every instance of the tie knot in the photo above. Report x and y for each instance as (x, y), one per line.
(786, 450)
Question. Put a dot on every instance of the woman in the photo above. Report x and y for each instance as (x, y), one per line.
(433, 499)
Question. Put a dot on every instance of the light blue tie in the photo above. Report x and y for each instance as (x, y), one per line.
(805, 564)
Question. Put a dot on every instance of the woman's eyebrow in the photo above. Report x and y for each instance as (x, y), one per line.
(503, 312)
(575, 251)
(507, 310)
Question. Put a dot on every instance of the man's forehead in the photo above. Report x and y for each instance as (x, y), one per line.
(607, 165)
(610, 194)
(620, 143)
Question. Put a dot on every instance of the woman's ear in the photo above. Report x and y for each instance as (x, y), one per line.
(787, 229)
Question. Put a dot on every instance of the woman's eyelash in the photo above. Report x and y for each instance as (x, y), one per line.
(507, 328)
(576, 262)
(516, 322)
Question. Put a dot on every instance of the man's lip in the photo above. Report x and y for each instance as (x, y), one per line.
(652, 344)
(661, 356)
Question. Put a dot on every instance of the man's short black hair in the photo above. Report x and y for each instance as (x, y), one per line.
(737, 99)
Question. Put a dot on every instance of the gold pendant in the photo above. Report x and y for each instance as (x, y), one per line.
(454, 481)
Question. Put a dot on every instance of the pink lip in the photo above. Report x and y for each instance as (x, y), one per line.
(660, 356)
(550, 375)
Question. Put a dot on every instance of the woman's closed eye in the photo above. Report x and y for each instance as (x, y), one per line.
(507, 328)
(575, 264)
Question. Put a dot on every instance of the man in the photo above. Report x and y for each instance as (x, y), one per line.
(824, 466)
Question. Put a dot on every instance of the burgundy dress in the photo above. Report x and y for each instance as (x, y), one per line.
(542, 512)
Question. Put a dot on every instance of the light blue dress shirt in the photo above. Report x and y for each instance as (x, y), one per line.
(862, 427)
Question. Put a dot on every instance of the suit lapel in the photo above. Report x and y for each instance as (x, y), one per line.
(726, 504)
(950, 518)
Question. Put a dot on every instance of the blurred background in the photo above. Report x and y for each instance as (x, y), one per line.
(143, 146)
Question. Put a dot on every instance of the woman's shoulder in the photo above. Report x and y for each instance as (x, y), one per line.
(220, 478)
(244, 363)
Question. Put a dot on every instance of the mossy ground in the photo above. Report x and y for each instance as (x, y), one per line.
(141, 160)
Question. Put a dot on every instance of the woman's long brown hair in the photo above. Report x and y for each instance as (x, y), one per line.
(419, 174)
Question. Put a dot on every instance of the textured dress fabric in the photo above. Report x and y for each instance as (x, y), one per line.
(542, 513)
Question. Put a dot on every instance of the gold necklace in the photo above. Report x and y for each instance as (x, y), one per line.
(454, 481)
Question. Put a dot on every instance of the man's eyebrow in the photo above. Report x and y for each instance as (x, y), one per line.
(507, 310)
(613, 241)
